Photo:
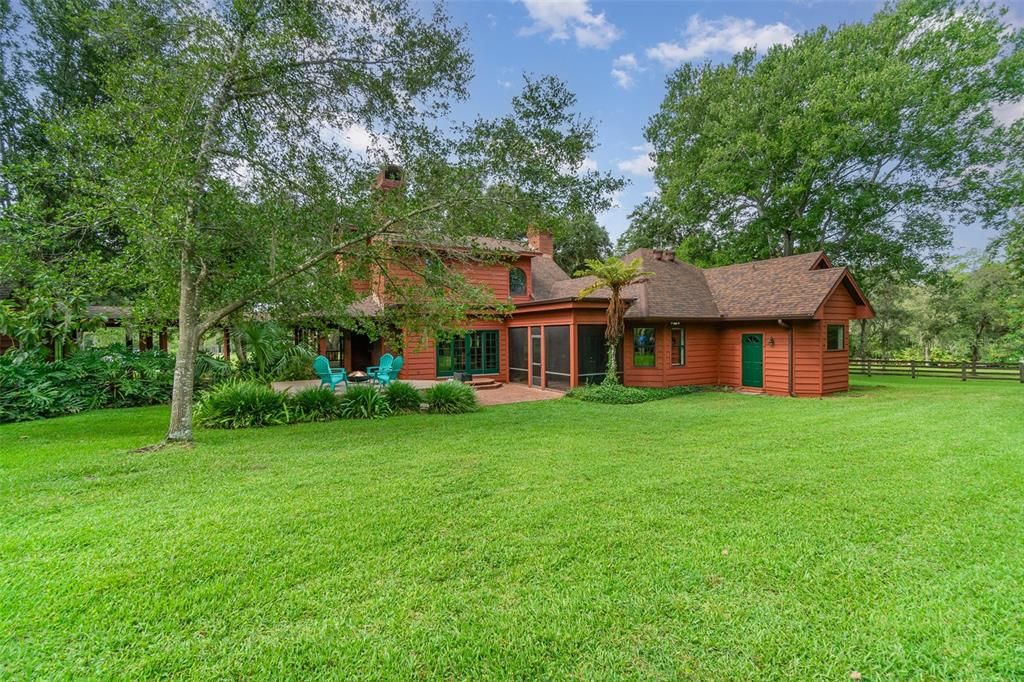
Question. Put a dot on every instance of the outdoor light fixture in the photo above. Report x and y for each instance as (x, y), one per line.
(771, 340)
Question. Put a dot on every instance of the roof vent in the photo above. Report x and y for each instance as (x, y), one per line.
(670, 255)
(657, 254)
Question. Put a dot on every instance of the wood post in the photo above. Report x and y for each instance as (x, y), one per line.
(913, 369)
(963, 371)
(1022, 371)
(869, 367)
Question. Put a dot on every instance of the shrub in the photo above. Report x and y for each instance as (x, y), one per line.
(241, 404)
(364, 402)
(31, 388)
(616, 394)
(403, 397)
(451, 397)
(314, 405)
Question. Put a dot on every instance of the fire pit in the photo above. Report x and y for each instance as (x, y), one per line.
(358, 377)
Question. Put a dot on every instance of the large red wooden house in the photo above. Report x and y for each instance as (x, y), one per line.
(779, 326)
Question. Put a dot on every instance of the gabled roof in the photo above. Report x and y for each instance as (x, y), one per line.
(789, 287)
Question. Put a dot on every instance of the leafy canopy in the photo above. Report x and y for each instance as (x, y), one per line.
(869, 141)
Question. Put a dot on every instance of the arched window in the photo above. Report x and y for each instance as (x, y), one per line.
(516, 282)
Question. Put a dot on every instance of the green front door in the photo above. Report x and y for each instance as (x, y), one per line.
(753, 360)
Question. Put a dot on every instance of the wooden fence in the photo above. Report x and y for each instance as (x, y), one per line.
(964, 371)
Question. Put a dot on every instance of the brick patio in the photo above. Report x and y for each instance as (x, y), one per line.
(509, 393)
(515, 393)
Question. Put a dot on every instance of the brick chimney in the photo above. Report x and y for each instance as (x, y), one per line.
(390, 177)
(541, 240)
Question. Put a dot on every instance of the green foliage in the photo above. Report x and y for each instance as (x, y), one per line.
(616, 394)
(364, 402)
(314, 405)
(971, 311)
(403, 397)
(451, 397)
(31, 388)
(614, 275)
(870, 141)
(47, 318)
(241, 404)
(268, 352)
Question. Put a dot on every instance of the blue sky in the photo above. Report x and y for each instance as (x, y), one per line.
(615, 57)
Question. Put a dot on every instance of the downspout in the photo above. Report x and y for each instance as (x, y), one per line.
(789, 350)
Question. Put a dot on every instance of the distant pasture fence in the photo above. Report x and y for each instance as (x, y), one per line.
(964, 371)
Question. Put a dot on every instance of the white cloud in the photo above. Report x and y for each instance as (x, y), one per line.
(563, 19)
(1008, 112)
(626, 61)
(505, 84)
(727, 35)
(623, 68)
(642, 164)
(359, 139)
(622, 78)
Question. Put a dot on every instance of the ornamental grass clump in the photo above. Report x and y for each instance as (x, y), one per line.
(240, 405)
(364, 402)
(451, 397)
(403, 397)
(314, 405)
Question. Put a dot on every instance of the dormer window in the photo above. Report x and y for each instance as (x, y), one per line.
(516, 282)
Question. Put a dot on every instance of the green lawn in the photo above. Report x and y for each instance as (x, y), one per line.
(716, 536)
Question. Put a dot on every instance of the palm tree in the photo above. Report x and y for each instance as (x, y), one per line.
(615, 275)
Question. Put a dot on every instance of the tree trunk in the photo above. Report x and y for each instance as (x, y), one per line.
(611, 375)
(189, 334)
(787, 242)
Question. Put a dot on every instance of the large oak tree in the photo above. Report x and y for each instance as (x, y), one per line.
(871, 141)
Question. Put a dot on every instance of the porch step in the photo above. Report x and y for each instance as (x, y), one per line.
(484, 384)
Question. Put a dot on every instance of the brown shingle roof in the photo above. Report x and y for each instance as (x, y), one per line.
(546, 274)
(778, 288)
(674, 289)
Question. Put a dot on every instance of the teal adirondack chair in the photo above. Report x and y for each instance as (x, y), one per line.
(381, 373)
(396, 367)
(329, 377)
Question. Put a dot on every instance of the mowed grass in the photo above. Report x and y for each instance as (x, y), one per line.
(713, 536)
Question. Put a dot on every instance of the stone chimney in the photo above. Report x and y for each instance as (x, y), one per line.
(541, 240)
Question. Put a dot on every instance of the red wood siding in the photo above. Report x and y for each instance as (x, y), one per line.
(421, 354)
(701, 357)
(839, 308)
(807, 347)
